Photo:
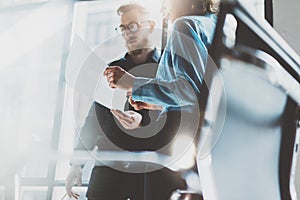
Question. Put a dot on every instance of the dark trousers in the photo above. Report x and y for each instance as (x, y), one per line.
(110, 184)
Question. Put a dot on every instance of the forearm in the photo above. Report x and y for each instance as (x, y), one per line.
(175, 93)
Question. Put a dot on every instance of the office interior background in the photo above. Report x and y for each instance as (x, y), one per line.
(36, 111)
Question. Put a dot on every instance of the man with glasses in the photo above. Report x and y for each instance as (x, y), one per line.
(129, 131)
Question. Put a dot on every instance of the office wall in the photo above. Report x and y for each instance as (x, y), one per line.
(286, 21)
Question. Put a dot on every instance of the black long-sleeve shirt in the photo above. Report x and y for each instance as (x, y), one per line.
(102, 129)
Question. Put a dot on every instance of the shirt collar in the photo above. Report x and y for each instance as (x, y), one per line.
(155, 56)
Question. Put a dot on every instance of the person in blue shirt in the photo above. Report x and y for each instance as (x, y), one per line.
(179, 78)
(179, 85)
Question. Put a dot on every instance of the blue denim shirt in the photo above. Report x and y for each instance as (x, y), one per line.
(180, 72)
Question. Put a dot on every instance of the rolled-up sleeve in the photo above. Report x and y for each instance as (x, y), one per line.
(180, 72)
(168, 94)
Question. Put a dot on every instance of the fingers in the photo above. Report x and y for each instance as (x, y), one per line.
(123, 123)
(74, 195)
(113, 75)
(68, 187)
(129, 93)
(120, 113)
(117, 115)
(134, 104)
(128, 119)
(137, 105)
(131, 112)
(131, 101)
(111, 69)
(111, 79)
(122, 116)
(74, 174)
(119, 78)
(70, 193)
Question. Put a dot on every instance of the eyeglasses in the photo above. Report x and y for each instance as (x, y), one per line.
(132, 27)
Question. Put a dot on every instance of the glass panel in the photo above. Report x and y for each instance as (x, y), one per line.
(62, 170)
(32, 47)
(35, 169)
(33, 193)
(2, 192)
(60, 193)
(7, 3)
(100, 26)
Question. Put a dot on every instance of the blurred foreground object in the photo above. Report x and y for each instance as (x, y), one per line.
(248, 143)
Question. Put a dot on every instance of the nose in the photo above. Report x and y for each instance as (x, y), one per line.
(127, 34)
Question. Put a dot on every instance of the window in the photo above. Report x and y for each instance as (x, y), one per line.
(13, 3)
(37, 127)
(33, 48)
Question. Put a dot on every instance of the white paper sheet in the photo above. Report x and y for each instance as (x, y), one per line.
(84, 73)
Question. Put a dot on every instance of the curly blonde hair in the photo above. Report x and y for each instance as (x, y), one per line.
(205, 6)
